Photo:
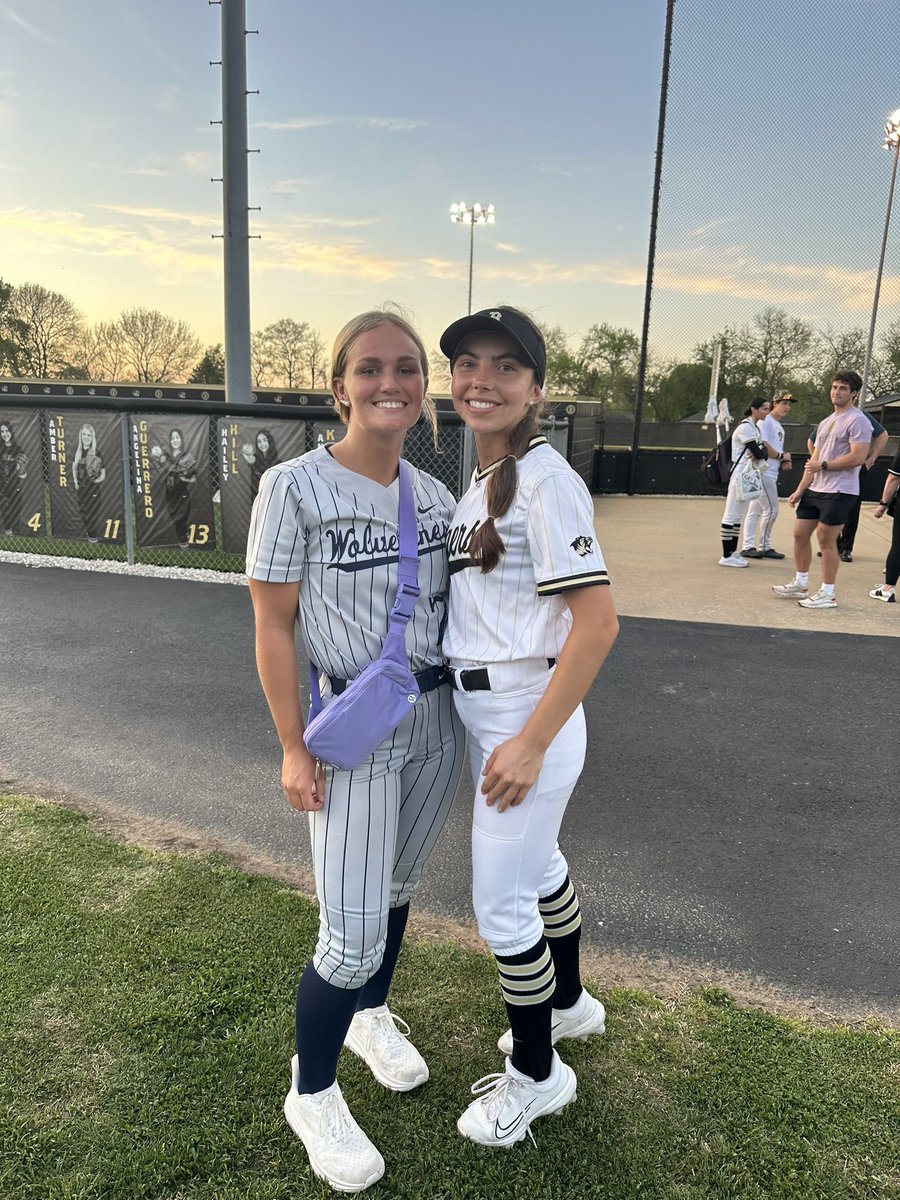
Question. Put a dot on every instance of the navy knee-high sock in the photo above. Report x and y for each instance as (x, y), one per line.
(375, 991)
(323, 1016)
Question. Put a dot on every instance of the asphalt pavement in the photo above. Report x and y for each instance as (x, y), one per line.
(736, 821)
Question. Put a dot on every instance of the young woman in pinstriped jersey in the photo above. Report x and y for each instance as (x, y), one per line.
(324, 535)
(530, 625)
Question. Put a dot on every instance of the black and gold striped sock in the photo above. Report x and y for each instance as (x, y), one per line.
(528, 984)
(561, 914)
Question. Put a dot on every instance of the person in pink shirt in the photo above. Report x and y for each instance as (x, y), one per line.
(827, 492)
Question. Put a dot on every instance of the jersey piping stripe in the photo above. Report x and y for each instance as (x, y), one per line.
(551, 587)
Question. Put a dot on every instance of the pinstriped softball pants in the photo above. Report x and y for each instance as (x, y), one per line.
(371, 840)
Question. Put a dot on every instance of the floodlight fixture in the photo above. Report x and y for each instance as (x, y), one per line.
(472, 215)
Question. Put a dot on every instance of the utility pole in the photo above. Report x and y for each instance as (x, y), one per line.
(235, 210)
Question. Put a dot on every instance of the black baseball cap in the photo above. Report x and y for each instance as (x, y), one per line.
(498, 320)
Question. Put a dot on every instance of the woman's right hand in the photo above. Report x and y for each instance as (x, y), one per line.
(303, 780)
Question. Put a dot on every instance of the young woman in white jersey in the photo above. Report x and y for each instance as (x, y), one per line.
(324, 535)
(746, 450)
(530, 624)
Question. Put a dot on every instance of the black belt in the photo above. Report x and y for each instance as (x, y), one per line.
(428, 680)
(478, 679)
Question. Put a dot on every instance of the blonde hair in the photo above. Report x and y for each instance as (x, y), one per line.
(365, 323)
(487, 547)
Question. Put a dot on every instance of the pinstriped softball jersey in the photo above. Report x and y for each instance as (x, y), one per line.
(517, 610)
(336, 532)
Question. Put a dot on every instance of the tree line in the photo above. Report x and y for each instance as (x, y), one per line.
(44, 336)
(771, 354)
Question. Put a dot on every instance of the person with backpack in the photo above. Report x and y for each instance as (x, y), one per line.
(745, 483)
(763, 513)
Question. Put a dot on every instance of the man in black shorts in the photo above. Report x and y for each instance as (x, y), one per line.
(848, 534)
(827, 492)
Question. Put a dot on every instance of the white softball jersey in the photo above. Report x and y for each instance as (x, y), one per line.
(518, 610)
(772, 431)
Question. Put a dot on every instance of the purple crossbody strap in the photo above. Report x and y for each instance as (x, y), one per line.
(407, 587)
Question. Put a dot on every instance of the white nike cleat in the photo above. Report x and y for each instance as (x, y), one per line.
(508, 1102)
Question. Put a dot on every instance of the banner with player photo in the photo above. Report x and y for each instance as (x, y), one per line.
(21, 483)
(247, 447)
(170, 468)
(86, 480)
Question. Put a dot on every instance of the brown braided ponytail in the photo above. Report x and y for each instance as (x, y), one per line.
(486, 547)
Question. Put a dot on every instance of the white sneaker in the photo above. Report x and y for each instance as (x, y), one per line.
(585, 1017)
(375, 1034)
(508, 1102)
(733, 560)
(791, 591)
(339, 1152)
(819, 600)
(886, 594)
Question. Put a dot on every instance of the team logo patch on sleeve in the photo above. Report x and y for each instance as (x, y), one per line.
(582, 545)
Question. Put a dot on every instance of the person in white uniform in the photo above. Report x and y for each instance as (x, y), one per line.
(763, 513)
(746, 452)
(531, 622)
(324, 535)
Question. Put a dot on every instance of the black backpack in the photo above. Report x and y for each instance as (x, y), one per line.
(715, 468)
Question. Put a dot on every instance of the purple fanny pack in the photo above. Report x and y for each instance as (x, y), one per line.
(348, 730)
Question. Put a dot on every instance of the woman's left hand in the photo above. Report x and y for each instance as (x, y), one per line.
(511, 772)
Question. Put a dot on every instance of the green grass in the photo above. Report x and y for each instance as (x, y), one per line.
(146, 1011)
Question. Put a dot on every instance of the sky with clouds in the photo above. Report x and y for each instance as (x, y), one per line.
(373, 118)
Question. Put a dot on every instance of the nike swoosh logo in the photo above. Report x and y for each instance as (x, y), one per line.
(423, 511)
(503, 1129)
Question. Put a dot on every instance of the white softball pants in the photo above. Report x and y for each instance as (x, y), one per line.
(762, 512)
(515, 856)
(735, 510)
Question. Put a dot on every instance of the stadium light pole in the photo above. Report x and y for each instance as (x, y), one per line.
(891, 142)
(471, 215)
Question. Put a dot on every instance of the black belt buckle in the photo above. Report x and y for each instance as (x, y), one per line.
(478, 679)
(474, 679)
